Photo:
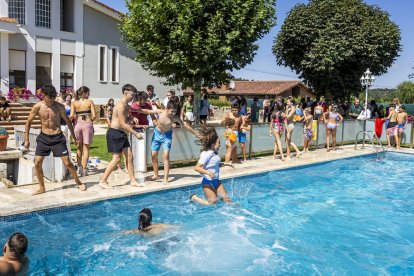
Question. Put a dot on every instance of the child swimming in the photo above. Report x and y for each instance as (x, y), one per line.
(209, 167)
(144, 224)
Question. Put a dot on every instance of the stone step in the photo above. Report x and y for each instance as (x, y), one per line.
(17, 122)
(20, 112)
(21, 108)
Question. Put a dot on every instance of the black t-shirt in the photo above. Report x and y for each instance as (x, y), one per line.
(5, 105)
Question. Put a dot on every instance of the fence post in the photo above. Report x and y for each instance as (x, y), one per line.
(251, 141)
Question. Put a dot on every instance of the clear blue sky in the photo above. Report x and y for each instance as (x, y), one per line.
(401, 12)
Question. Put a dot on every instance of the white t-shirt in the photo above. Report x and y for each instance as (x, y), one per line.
(362, 115)
(165, 102)
(211, 162)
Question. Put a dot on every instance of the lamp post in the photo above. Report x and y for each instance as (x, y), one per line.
(367, 80)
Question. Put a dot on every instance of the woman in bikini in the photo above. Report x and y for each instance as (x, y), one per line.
(109, 109)
(83, 110)
(277, 128)
(332, 120)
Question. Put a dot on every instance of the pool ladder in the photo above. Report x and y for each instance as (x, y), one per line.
(371, 138)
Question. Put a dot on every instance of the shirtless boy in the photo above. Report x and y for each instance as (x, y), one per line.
(402, 120)
(392, 117)
(117, 139)
(51, 138)
(290, 113)
(167, 120)
(238, 121)
(307, 129)
(14, 260)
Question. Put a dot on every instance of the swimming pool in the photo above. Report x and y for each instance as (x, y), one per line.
(353, 216)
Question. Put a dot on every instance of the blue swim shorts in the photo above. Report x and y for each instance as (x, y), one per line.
(215, 183)
(242, 137)
(159, 138)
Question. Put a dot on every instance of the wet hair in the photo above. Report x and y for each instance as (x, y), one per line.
(235, 105)
(129, 87)
(229, 122)
(402, 107)
(172, 104)
(2, 98)
(144, 219)
(150, 87)
(18, 244)
(49, 90)
(141, 96)
(206, 137)
(109, 101)
(82, 90)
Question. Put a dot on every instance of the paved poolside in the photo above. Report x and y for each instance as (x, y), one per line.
(19, 200)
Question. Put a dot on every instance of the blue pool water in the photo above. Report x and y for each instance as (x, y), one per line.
(348, 217)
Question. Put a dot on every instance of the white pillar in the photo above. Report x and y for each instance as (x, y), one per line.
(80, 48)
(4, 63)
(55, 16)
(4, 8)
(31, 46)
(56, 63)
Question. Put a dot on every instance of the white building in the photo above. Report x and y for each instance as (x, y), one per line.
(68, 43)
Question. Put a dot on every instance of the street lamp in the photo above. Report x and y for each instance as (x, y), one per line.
(367, 80)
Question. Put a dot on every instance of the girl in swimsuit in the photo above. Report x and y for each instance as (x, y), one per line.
(209, 167)
(109, 109)
(332, 120)
(277, 127)
(83, 110)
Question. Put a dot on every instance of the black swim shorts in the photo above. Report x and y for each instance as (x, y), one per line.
(116, 140)
(51, 143)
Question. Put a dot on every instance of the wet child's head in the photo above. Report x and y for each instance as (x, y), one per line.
(207, 138)
(144, 219)
(402, 108)
(229, 122)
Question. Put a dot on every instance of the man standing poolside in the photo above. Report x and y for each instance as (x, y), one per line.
(117, 139)
(51, 139)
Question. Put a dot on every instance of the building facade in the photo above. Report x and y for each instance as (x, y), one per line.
(68, 43)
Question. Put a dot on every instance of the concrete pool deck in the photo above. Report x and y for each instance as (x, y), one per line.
(18, 200)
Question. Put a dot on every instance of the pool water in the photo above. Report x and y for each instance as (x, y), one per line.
(349, 217)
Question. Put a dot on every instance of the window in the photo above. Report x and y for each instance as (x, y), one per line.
(67, 16)
(102, 64)
(17, 10)
(17, 68)
(43, 13)
(66, 72)
(43, 69)
(114, 64)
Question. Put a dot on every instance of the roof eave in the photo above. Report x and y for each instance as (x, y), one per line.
(92, 4)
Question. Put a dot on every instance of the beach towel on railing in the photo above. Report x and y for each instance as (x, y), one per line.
(378, 127)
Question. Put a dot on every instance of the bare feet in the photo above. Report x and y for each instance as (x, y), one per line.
(81, 187)
(105, 185)
(154, 177)
(327, 150)
(166, 181)
(298, 154)
(40, 191)
(137, 184)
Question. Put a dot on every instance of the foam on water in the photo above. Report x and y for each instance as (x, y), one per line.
(348, 217)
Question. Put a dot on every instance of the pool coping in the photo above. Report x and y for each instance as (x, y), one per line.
(68, 196)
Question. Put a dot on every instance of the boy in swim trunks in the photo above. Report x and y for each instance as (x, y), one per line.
(392, 123)
(307, 129)
(168, 119)
(117, 139)
(51, 138)
(209, 167)
(246, 126)
(402, 120)
(238, 121)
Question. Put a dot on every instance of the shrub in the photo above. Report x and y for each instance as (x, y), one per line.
(219, 103)
(3, 132)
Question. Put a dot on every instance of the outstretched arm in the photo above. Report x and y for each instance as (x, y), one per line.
(177, 119)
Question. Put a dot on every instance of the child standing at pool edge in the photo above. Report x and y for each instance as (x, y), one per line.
(209, 167)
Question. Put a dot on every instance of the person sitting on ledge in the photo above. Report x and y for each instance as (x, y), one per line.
(5, 111)
(145, 226)
(14, 260)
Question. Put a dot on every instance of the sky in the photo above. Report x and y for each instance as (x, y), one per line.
(264, 65)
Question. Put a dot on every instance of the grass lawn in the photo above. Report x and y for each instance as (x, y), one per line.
(98, 148)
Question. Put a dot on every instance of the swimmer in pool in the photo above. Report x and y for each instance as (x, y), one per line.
(14, 260)
(144, 224)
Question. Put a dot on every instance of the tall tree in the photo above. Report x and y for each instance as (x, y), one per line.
(330, 43)
(196, 43)
(405, 92)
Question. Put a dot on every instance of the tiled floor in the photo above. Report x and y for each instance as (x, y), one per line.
(19, 200)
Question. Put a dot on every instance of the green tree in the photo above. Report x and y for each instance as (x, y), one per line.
(196, 43)
(330, 43)
(405, 92)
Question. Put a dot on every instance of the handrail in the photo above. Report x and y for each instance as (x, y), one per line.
(371, 139)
